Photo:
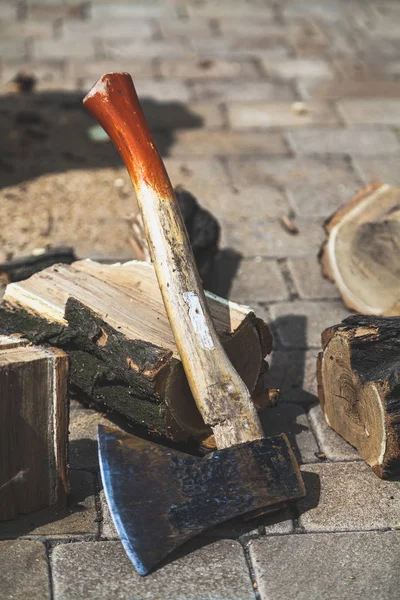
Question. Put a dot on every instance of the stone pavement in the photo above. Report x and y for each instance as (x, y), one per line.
(261, 109)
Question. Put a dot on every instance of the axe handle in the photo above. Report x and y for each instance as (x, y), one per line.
(220, 394)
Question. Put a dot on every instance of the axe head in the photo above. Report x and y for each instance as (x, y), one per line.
(160, 498)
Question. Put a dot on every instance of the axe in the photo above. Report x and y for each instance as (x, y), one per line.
(159, 497)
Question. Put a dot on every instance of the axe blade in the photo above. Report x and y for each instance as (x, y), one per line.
(159, 498)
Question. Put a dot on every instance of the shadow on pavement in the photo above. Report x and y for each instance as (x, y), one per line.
(49, 132)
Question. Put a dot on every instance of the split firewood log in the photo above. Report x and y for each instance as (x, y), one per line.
(112, 322)
(362, 251)
(33, 427)
(359, 387)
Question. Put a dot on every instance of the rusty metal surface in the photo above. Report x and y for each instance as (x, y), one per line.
(159, 498)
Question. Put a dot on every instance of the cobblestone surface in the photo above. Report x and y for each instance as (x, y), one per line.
(262, 109)
(320, 567)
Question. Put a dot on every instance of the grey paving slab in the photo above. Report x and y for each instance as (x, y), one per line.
(83, 450)
(349, 566)
(291, 419)
(307, 276)
(299, 324)
(258, 280)
(77, 520)
(348, 497)
(384, 169)
(257, 237)
(353, 140)
(204, 177)
(372, 111)
(292, 68)
(24, 571)
(102, 569)
(314, 187)
(266, 115)
(332, 444)
(207, 68)
(237, 91)
(338, 89)
(293, 372)
(202, 143)
(243, 202)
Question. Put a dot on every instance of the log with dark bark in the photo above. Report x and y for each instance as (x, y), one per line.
(359, 387)
(33, 427)
(202, 227)
(112, 322)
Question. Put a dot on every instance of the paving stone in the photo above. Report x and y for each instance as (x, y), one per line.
(129, 48)
(43, 71)
(293, 372)
(314, 187)
(90, 71)
(230, 10)
(239, 91)
(353, 140)
(77, 520)
(332, 444)
(307, 276)
(258, 281)
(173, 29)
(349, 566)
(203, 177)
(373, 111)
(254, 46)
(292, 68)
(348, 497)
(254, 237)
(162, 91)
(292, 420)
(217, 568)
(13, 49)
(208, 143)
(63, 49)
(207, 68)
(108, 28)
(83, 449)
(331, 12)
(107, 527)
(243, 202)
(337, 89)
(384, 169)
(133, 10)
(24, 29)
(24, 571)
(266, 115)
(299, 324)
(55, 10)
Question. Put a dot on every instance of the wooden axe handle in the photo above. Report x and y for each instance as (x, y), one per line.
(220, 394)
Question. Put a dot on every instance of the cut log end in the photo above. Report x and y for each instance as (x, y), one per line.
(358, 372)
(362, 251)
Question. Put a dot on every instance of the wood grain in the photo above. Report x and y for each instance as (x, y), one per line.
(124, 302)
(34, 428)
(358, 387)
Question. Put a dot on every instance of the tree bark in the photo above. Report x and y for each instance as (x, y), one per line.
(359, 387)
(111, 321)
